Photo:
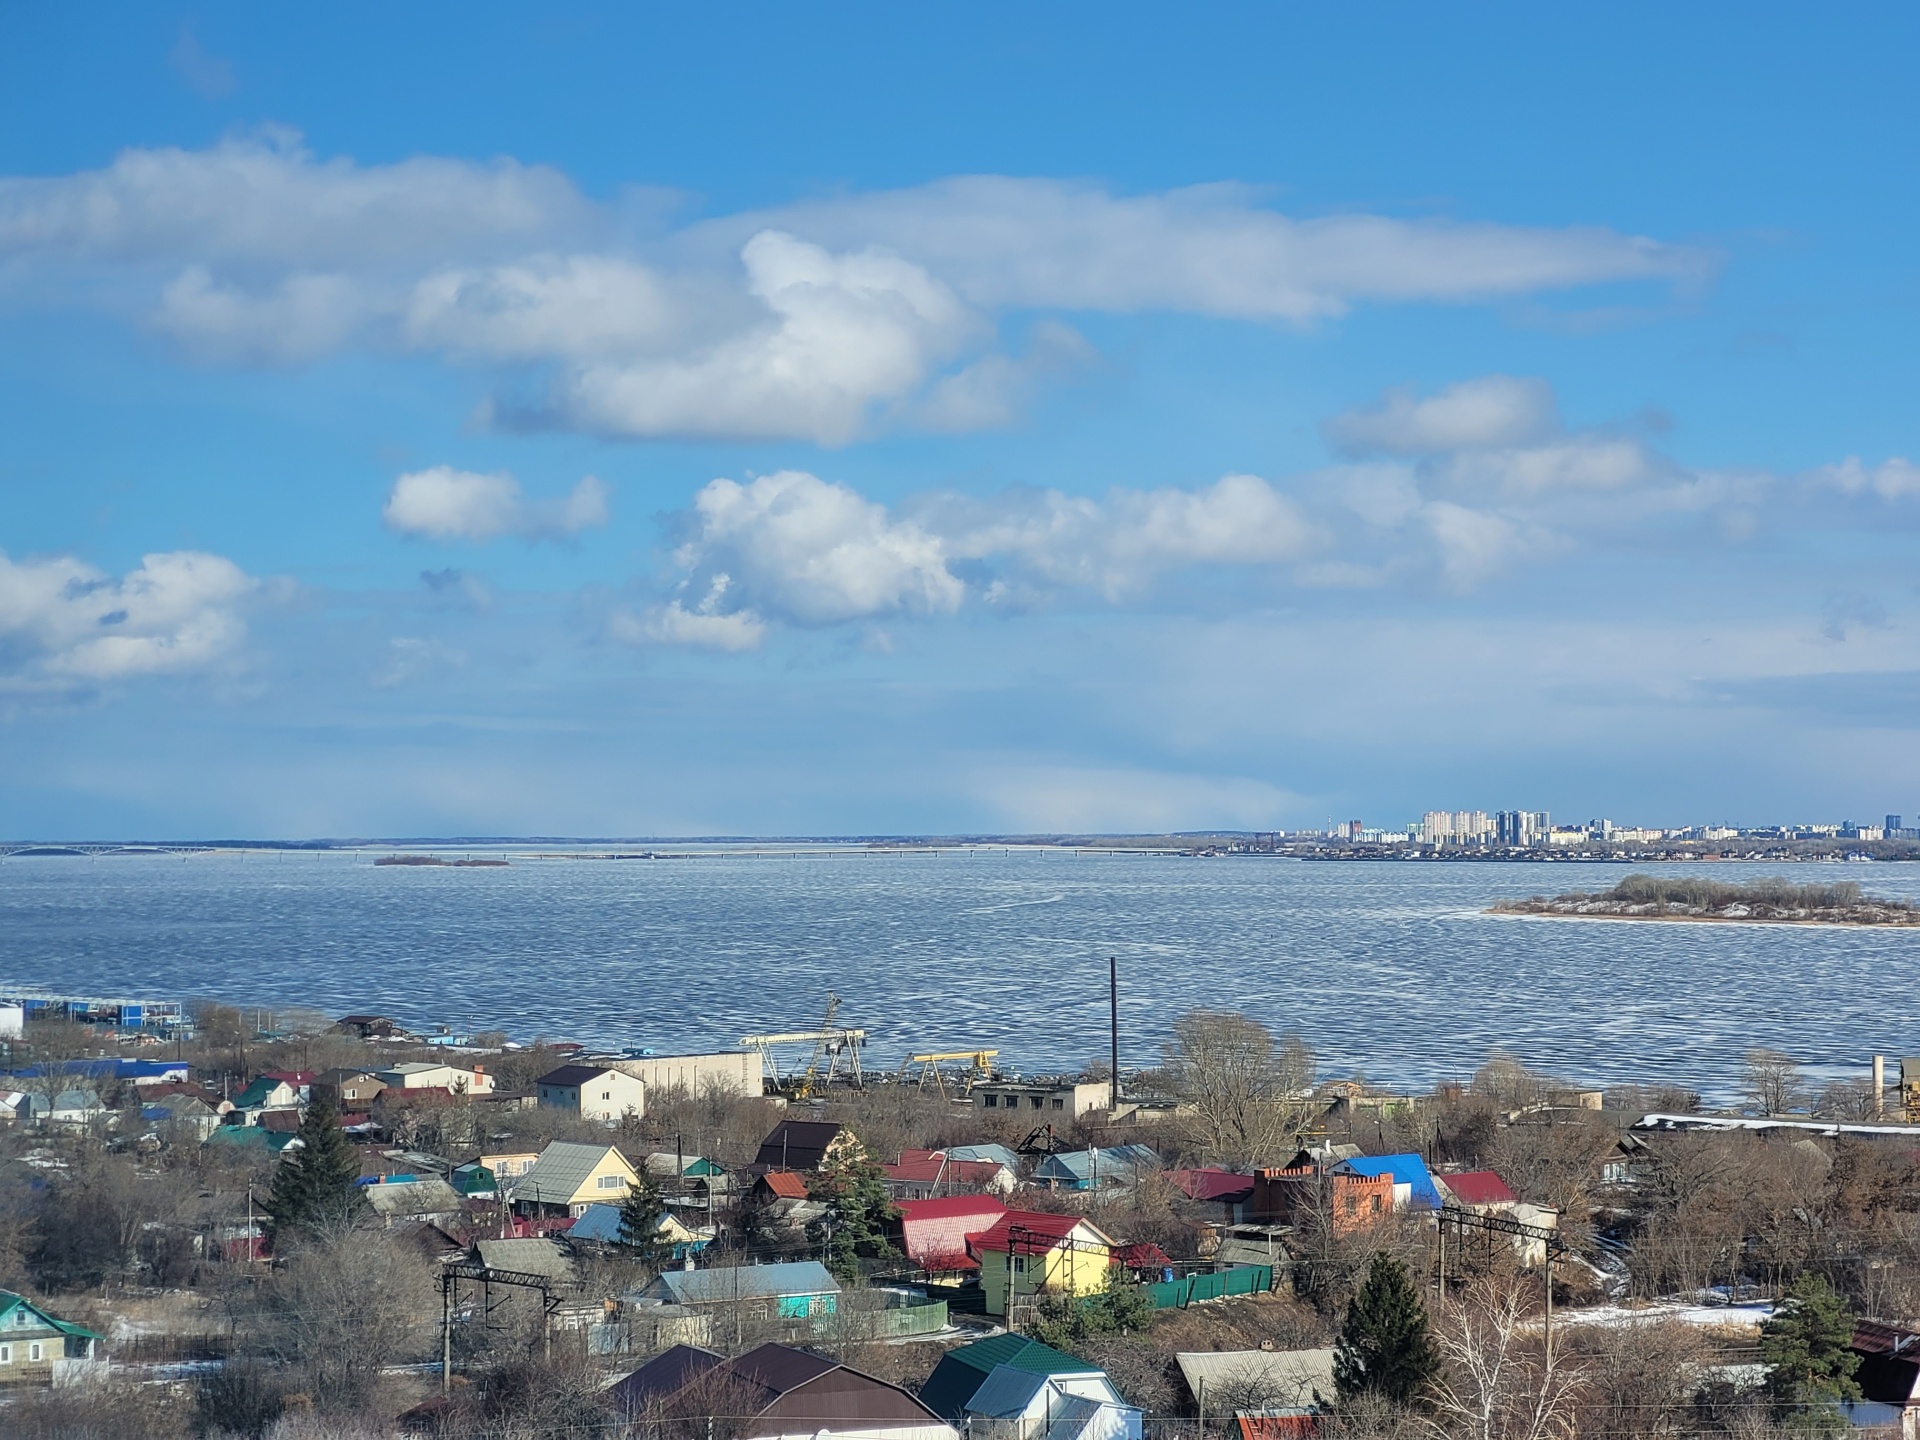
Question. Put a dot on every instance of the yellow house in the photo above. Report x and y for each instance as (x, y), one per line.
(1031, 1253)
(569, 1177)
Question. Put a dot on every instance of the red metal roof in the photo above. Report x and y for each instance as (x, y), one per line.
(786, 1184)
(1040, 1231)
(1479, 1187)
(946, 1207)
(1143, 1256)
(910, 1155)
(926, 1172)
(1211, 1184)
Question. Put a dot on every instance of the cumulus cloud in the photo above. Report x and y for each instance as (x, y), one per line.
(63, 621)
(819, 321)
(815, 551)
(1116, 543)
(846, 332)
(443, 503)
(1494, 410)
(1892, 479)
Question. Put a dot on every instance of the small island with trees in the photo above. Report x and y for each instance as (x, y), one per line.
(1771, 901)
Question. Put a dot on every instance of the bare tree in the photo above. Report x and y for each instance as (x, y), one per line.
(1774, 1086)
(1250, 1096)
(1501, 1382)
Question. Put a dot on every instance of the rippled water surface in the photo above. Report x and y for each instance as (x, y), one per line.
(1389, 968)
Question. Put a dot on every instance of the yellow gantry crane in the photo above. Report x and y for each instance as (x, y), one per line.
(979, 1066)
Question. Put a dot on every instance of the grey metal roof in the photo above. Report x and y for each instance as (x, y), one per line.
(529, 1257)
(747, 1282)
(428, 1196)
(1290, 1376)
(563, 1167)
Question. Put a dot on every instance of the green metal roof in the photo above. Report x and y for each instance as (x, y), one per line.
(961, 1372)
(9, 1302)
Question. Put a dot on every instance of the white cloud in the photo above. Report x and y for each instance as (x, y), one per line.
(1596, 463)
(705, 627)
(1476, 545)
(1492, 411)
(1210, 250)
(62, 620)
(819, 321)
(568, 307)
(1892, 479)
(817, 552)
(268, 201)
(1115, 544)
(443, 503)
(302, 318)
(846, 332)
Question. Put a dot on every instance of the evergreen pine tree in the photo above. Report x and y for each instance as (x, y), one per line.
(1805, 1344)
(314, 1185)
(858, 1209)
(640, 1216)
(1385, 1348)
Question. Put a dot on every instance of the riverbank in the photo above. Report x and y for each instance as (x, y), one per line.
(1770, 901)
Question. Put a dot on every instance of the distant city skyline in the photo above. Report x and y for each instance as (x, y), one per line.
(886, 421)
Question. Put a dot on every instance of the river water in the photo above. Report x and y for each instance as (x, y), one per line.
(1386, 968)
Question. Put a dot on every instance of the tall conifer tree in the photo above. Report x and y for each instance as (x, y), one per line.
(313, 1185)
(1385, 1347)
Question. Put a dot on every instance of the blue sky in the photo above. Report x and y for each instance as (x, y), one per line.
(920, 419)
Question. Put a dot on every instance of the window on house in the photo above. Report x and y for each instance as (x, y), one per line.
(6, 1354)
(35, 1350)
(1019, 1264)
(1353, 1204)
(1376, 1204)
(1059, 1104)
(606, 1095)
(1036, 1101)
(612, 1182)
(993, 1102)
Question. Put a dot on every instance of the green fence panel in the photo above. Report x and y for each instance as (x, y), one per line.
(1168, 1294)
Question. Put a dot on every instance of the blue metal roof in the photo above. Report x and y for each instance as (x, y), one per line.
(1408, 1170)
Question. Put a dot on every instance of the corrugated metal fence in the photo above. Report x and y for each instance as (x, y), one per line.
(1190, 1289)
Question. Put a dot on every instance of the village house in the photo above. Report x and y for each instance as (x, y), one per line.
(349, 1089)
(934, 1234)
(265, 1093)
(1209, 1186)
(1017, 1388)
(1096, 1168)
(797, 1290)
(39, 1348)
(430, 1075)
(1889, 1380)
(921, 1174)
(778, 1391)
(1053, 1100)
(568, 1177)
(177, 1114)
(1482, 1192)
(1306, 1191)
(76, 1109)
(599, 1225)
(1028, 1252)
(412, 1198)
(1286, 1390)
(508, 1165)
(369, 1027)
(805, 1145)
(593, 1092)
